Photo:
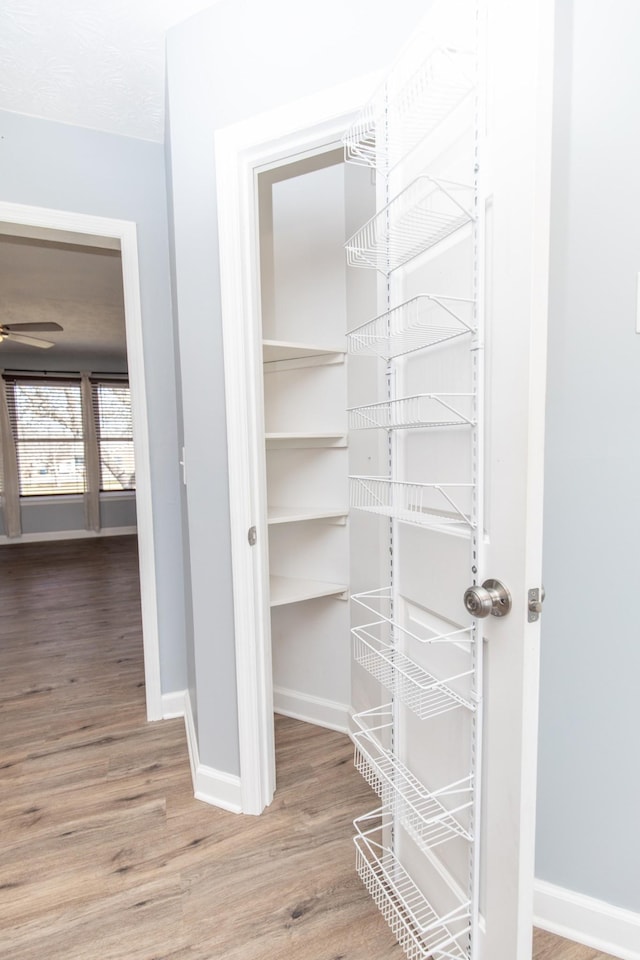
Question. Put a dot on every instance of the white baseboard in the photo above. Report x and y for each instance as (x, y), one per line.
(69, 535)
(301, 706)
(174, 704)
(585, 920)
(209, 785)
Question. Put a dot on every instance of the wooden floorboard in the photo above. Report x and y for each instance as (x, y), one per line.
(104, 853)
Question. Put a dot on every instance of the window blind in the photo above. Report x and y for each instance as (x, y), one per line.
(46, 419)
(50, 446)
(114, 432)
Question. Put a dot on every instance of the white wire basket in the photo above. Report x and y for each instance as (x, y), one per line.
(403, 678)
(421, 322)
(420, 930)
(422, 504)
(431, 817)
(396, 121)
(423, 214)
(379, 602)
(420, 410)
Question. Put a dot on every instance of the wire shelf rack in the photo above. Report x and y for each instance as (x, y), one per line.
(420, 930)
(423, 214)
(431, 817)
(421, 322)
(379, 602)
(422, 504)
(396, 121)
(419, 410)
(401, 676)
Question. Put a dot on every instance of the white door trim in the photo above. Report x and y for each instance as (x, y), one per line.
(261, 141)
(35, 221)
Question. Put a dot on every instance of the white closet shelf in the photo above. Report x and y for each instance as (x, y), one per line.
(421, 410)
(431, 817)
(423, 504)
(421, 931)
(296, 514)
(416, 324)
(421, 216)
(403, 112)
(274, 351)
(401, 676)
(282, 440)
(285, 590)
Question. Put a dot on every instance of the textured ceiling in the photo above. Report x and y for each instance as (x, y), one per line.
(92, 63)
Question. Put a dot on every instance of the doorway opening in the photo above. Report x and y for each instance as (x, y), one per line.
(117, 240)
(296, 132)
(308, 207)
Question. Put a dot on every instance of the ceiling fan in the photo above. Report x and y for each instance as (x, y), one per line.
(20, 333)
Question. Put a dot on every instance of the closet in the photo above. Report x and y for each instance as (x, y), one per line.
(394, 474)
(316, 553)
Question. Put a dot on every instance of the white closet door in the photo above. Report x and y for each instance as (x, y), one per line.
(460, 342)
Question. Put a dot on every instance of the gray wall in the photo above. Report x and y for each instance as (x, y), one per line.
(65, 515)
(235, 60)
(589, 774)
(68, 168)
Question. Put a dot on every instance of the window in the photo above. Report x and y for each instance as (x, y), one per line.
(112, 410)
(47, 422)
(47, 425)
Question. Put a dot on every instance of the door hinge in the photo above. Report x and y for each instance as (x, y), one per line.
(252, 536)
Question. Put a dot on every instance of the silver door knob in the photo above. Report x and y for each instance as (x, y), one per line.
(491, 598)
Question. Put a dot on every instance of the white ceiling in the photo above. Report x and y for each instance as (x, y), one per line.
(92, 63)
(78, 287)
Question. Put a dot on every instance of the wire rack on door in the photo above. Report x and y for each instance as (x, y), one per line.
(420, 216)
(420, 410)
(423, 504)
(421, 322)
(421, 930)
(380, 603)
(375, 649)
(434, 670)
(409, 110)
(431, 817)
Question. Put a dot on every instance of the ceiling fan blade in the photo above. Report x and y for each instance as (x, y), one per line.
(30, 341)
(19, 327)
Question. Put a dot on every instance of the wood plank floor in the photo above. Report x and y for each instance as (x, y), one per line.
(104, 853)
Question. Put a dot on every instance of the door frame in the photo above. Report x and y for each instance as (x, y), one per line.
(307, 125)
(91, 230)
